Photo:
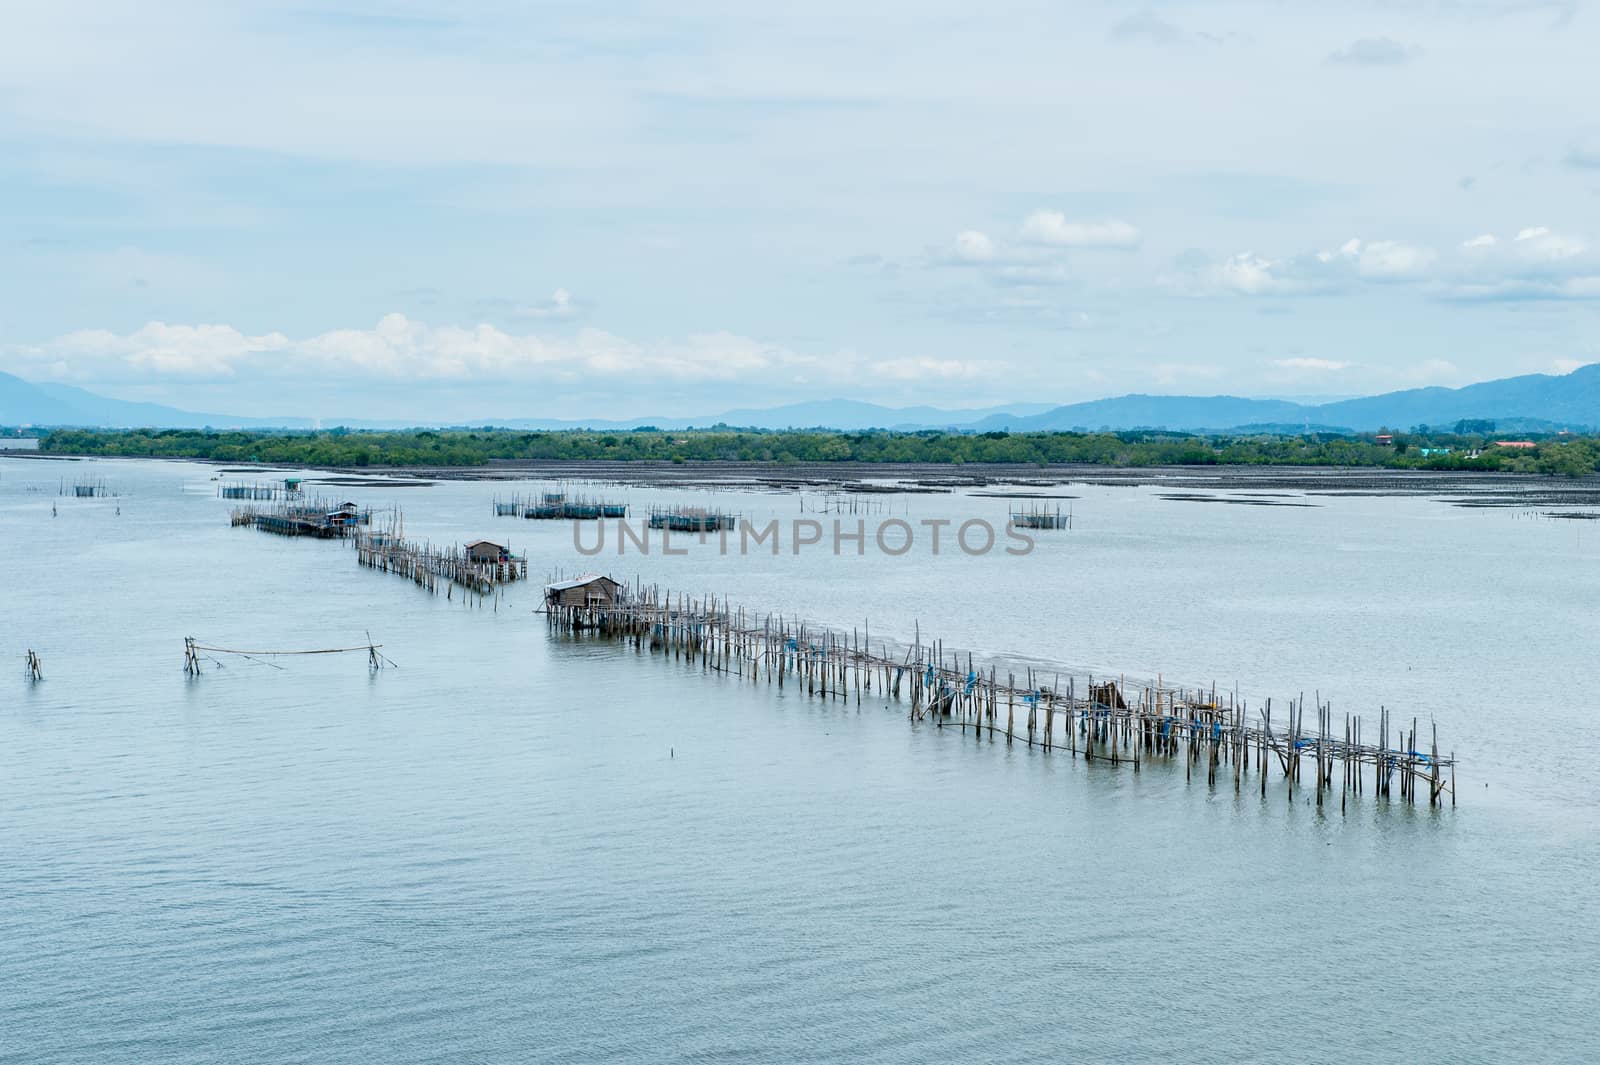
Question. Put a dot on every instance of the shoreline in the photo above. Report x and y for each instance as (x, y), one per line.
(1490, 488)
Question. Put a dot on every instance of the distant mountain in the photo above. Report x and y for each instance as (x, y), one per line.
(1566, 401)
(1569, 398)
(1153, 412)
(853, 415)
(847, 415)
(24, 403)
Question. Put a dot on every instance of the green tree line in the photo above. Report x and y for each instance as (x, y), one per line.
(1560, 455)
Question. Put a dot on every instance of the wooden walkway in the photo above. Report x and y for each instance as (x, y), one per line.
(433, 567)
(1101, 719)
(296, 516)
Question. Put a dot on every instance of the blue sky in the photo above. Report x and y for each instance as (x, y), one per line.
(442, 211)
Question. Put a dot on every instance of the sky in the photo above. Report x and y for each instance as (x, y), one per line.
(453, 211)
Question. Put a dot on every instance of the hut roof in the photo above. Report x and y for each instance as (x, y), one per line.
(579, 582)
(485, 543)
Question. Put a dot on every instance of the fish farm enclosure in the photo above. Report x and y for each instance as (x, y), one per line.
(1104, 717)
(479, 765)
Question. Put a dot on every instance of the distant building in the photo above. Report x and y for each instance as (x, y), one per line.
(487, 551)
(344, 514)
(1515, 443)
(1385, 439)
(1427, 451)
(587, 592)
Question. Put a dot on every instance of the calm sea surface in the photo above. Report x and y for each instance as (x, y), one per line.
(518, 848)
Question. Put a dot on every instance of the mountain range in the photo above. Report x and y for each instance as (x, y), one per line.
(1565, 400)
(25, 403)
(1560, 401)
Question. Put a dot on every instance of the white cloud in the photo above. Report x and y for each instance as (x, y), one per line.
(471, 160)
(1009, 265)
(398, 350)
(1532, 246)
(1052, 227)
(922, 368)
(1351, 264)
(1380, 260)
(167, 350)
(1539, 244)
(1538, 263)
(1393, 260)
(1251, 275)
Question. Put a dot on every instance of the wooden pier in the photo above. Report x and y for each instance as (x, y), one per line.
(557, 505)
(1103, 719)
(315, 518)
(438, 568)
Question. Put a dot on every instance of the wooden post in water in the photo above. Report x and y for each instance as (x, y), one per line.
(1191, 723)
(1011, 686)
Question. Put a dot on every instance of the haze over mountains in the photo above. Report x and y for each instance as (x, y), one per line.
(1567, 400)
(1562, 401)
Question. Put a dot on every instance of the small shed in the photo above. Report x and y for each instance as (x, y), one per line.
(344, 514)
(587, 592)
(487, 551)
